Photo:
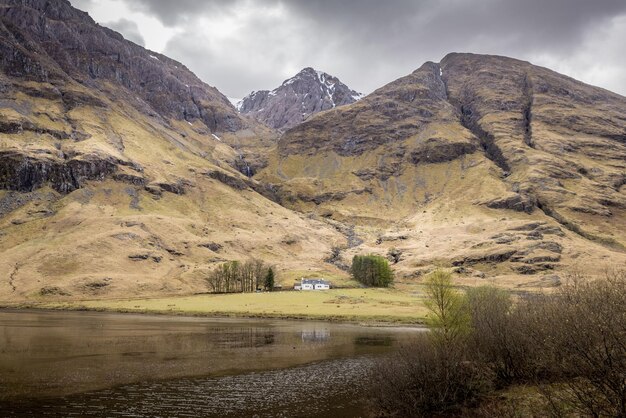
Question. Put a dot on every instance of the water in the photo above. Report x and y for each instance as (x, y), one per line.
(98, 364)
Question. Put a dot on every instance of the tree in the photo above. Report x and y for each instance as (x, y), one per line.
(371, 270)
(269, 280)
(235, 276)
(449, 317)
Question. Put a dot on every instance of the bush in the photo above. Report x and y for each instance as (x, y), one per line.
(494, 337)
(581, 331)
(434, 374)
(371, 270)
(423, 379)
(571, 344)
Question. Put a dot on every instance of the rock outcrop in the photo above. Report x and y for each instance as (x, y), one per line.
(296, 99)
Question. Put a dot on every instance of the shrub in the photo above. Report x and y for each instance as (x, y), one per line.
(582, 331)
(371, 270)
(571, 344)
(422, 380)
(433, 374)
(494, 338)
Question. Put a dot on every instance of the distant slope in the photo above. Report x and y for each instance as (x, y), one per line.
(122, 174)
(297, 98)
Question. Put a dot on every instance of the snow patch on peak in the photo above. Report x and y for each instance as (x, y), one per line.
(321, 76)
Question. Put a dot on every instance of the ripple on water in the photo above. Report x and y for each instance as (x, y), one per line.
(326, 389)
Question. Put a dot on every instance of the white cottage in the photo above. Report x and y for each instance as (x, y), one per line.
(312, 284)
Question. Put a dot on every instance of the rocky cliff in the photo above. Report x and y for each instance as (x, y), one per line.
(296, 99)
(52, 42)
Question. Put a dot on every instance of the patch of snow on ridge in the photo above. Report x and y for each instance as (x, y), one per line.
(152, 56)
(216, 137)
(235, 102)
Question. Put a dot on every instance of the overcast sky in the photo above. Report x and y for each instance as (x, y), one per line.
(244, 45)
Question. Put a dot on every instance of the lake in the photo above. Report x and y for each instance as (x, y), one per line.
(122, 365)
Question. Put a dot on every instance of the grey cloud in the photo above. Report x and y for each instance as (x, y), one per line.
(82, 4)
(172, 13)
(368, 43)
(128, 29)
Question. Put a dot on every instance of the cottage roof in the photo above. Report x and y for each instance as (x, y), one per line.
(315, 281)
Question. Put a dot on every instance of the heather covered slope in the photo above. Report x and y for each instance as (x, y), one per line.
(490, 164)
(561, 143)
(116, 173)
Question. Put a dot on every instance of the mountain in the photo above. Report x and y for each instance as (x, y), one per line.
(122, 174)
(487, 163)
(297, 98)
(120, 171)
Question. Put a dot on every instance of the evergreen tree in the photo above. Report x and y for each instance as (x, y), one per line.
(269, 280)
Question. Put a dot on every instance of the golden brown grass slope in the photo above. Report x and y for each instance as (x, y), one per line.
(152, 226)
(501, 169)
(120, 171)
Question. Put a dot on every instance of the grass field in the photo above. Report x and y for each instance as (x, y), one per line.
(360, 305)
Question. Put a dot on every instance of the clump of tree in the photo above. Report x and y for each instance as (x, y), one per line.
(571, 344)
(371, 270)
(235, 276)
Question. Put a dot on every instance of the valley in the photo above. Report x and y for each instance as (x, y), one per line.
(450, 243)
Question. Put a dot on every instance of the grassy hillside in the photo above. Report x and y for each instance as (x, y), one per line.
(500, 169)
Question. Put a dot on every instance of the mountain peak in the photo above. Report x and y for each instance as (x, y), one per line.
(308, 92)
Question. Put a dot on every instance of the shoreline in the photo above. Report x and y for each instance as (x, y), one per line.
(417, 324)
(370, 306)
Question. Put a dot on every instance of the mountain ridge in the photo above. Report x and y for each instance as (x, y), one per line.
(537, 145)
(297, 98)
(111, 188)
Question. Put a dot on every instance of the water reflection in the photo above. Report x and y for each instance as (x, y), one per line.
(315, 335)
(129, 363)
(331, 388)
